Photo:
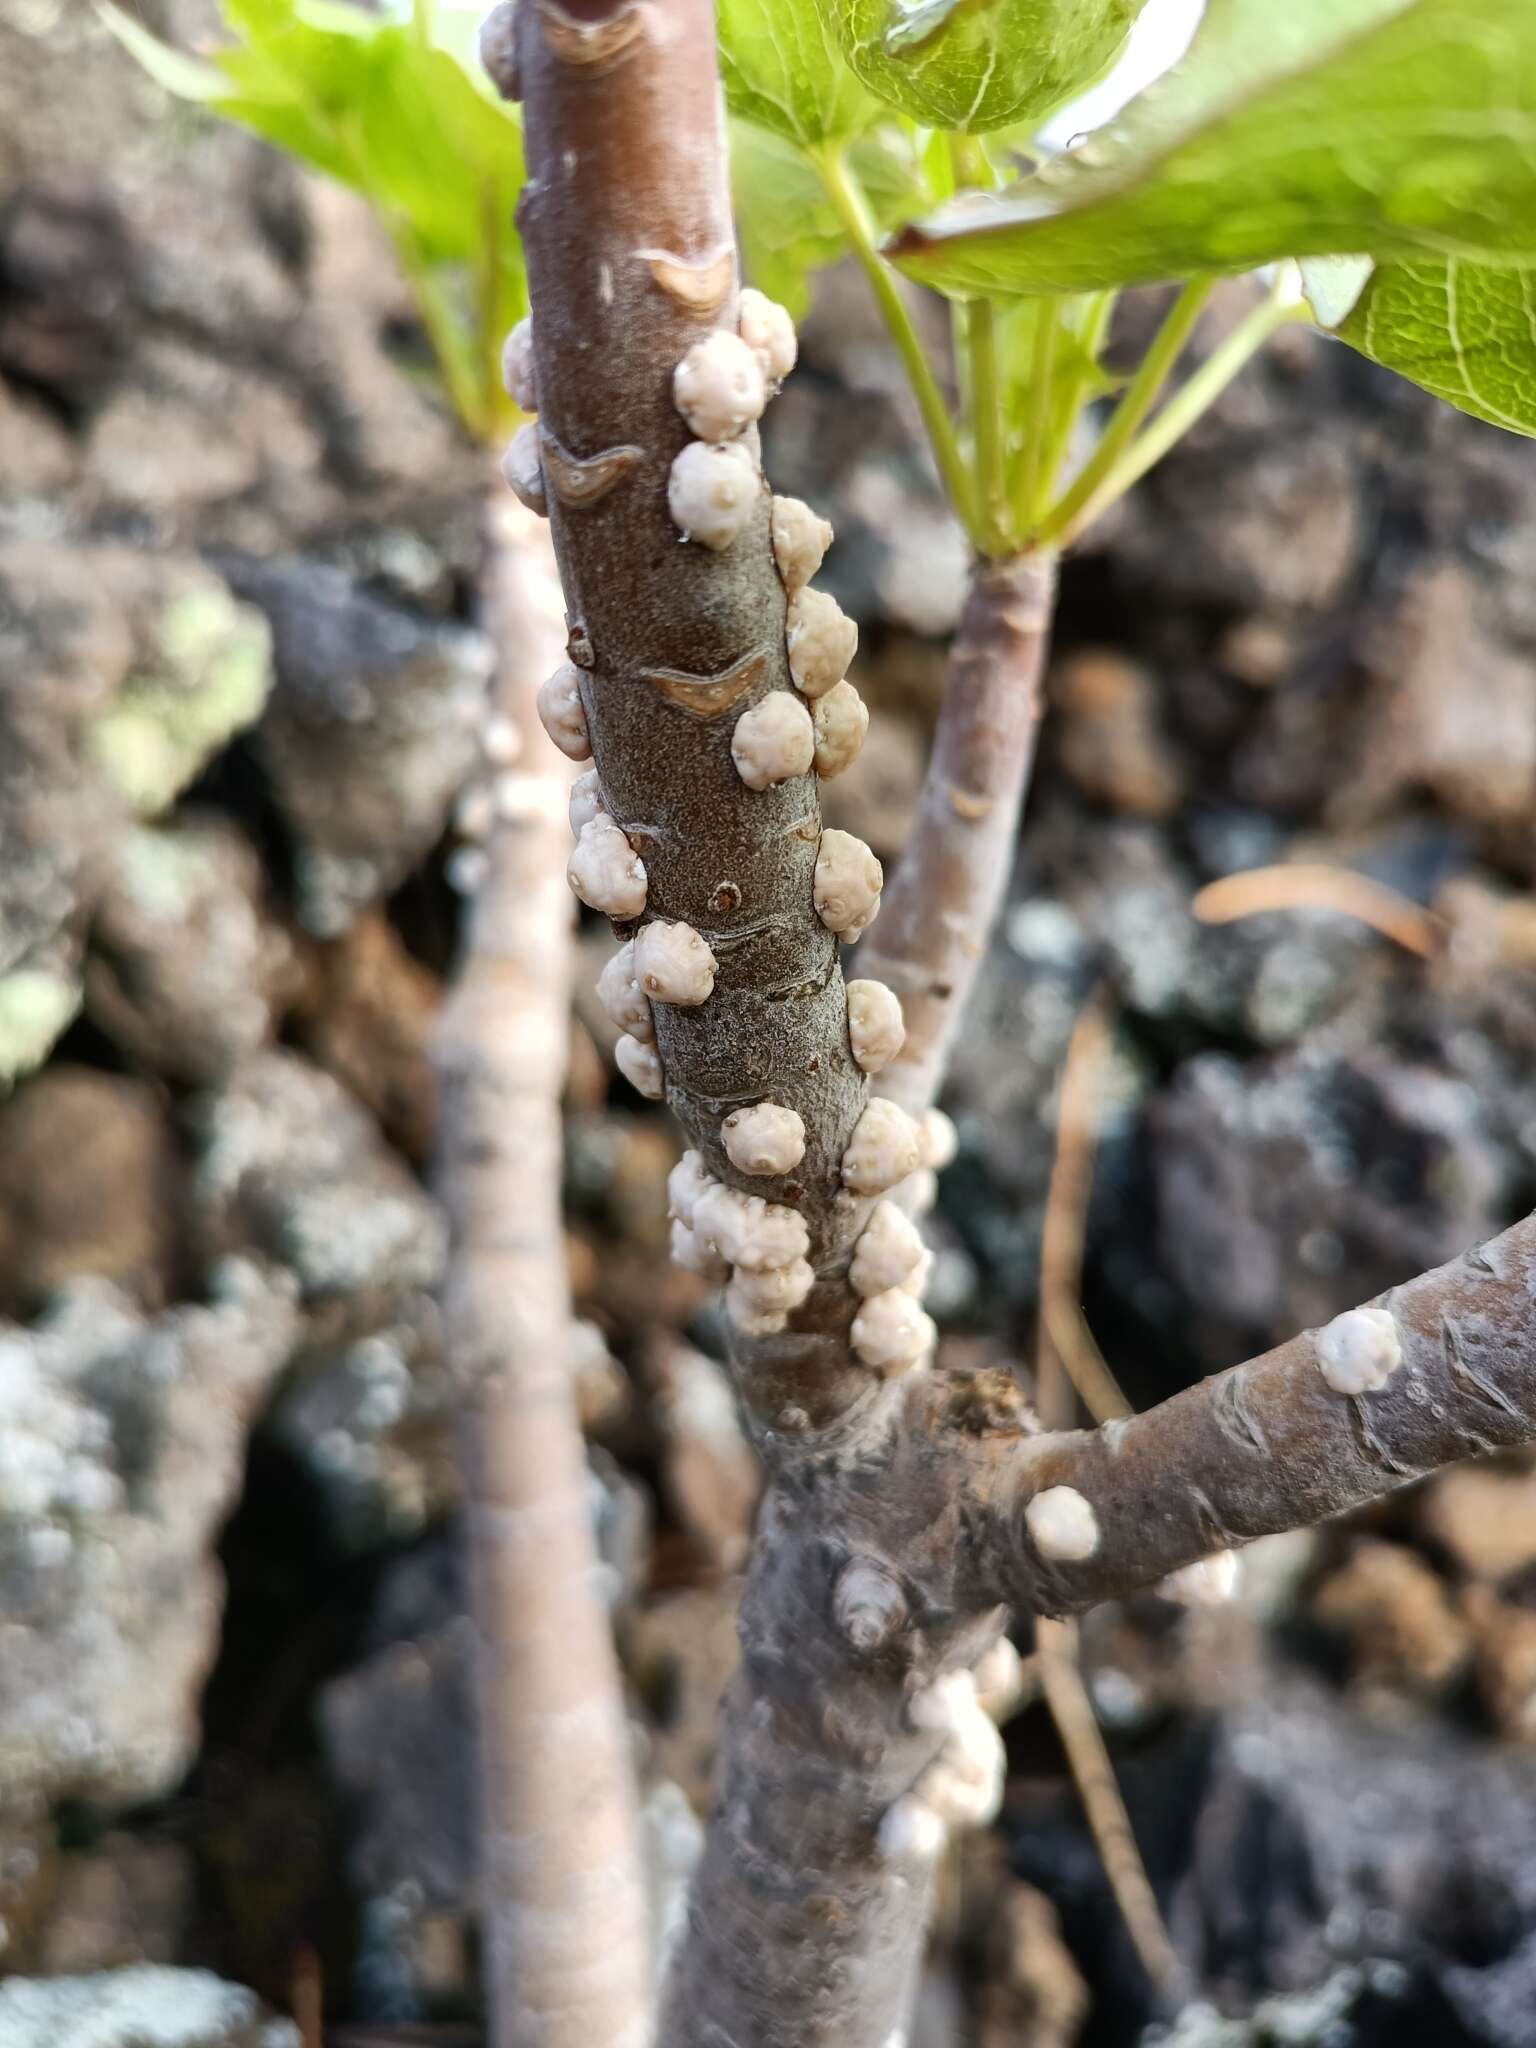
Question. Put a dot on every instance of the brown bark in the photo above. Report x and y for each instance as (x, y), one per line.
(627, 227)
(1268, 1445)
(804, 1932)
(563, 1893)
(938, 913)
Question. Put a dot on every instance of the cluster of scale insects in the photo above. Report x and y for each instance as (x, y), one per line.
(755, 1245)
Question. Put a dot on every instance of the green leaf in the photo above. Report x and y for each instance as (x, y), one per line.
(1462, 330)
(783, 72)
(973, 65)
(786, 226)
(1073, 366)
(1390, 128)
(789, 228)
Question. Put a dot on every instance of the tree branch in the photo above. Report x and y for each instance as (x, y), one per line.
(564, 1898)
(627, 228)
(1270, 1445)
(938, 913)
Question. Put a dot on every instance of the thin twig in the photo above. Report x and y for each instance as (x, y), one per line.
(1063, 1332)
(1094, 1775)
(1137, 400)
(1187, 405)
(852, 208)
(1308, 885)
(1064, 1338)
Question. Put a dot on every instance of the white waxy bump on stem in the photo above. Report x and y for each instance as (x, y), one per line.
(911, 1831)
(712, 489)
(1062, 1525)
(523, 468)
(846, 890)
(920, 1192)
(892, 1333)
(999, 1676)
(641, 1067)
(821, 640)
(719, 387)
(774, 741)
(517, 367)
(939, 1139)
(916, 1282)
(768, 331)
(752, 1321)
(673, 964)
(1208, 1582)
(623, 999)
(687, 1181)
(759, 1302)
(695, 1256)
(841, 720)
(888, 1250)
(1359, 1351)
(801, 538)
(964, 1783)
(606, 872)
(586, 802)
(875, 1028)
(766, 1138)
(882, 1150)
(749, 1231)
(561, 713)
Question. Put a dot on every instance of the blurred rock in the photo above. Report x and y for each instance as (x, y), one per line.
(121, 1452)
(372, 1419)
(55, 336)
(372, 729)
(40, 457)
(711, 1472)
(1263, 503)
(681, 1653)
(1407, 1845)
(1472, 744)
(288, 1163)
(28, 1878)
(90, 1186)
(1032, 1995)
(1108, 735)
(185, 971)
(1291, 1837)
(145, 2007)
(125, 1901)
(1290, 1189)
(1324, 2017)
(1504, 1661)
(367, 1018)
(1397, 1617)
(1485, 1515)
(398, 1735)
(876, 797)
(120, 675)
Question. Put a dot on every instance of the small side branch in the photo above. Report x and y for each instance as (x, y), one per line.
(939, 911)
(1441, 1368)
